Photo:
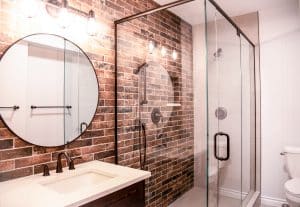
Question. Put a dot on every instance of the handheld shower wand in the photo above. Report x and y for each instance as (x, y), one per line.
(143, 66)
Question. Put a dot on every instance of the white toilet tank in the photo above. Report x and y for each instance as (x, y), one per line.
(292, 161)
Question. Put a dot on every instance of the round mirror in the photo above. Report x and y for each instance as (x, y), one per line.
(48, 90)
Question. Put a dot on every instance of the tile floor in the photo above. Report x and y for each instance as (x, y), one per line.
(196, 197)
(193, 198)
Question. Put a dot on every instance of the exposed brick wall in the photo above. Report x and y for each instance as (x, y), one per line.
(170, 142)
(170, 155)
(18, 158)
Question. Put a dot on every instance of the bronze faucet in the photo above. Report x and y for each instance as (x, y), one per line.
(46, 170)
(70, 162)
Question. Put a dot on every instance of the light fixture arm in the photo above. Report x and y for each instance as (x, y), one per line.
(91, 14)
(64, 3)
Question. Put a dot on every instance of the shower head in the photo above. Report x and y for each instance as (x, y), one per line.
(218, 53)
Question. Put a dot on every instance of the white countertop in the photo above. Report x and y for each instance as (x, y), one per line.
(31, 190)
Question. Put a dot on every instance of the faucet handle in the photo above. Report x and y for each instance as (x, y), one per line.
(71, 164)
(46, 170)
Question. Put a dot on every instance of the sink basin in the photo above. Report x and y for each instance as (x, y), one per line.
(74, 183)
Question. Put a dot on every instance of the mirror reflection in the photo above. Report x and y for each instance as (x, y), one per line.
(48, 90)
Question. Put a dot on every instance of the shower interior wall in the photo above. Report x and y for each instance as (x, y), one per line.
(170, 143)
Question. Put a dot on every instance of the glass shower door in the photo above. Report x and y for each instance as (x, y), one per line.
(224, 112)
(231, 113)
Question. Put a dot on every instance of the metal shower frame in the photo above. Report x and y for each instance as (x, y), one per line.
(147, 12)
(239, 33)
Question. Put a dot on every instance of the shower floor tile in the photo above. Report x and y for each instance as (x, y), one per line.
(196, 197)
(193, 198)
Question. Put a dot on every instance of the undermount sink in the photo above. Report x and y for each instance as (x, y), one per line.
(71, 184)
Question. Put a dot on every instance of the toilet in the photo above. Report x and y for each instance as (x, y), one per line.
(292, 186)
(215, 166)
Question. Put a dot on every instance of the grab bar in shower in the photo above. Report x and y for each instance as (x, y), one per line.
(50, 107)
(10, 107)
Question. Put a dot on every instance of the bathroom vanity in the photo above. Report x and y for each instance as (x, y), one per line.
(91, 184)
(132, 196)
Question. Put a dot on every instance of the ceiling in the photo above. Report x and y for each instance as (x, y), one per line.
(190, 11)
(239, 7)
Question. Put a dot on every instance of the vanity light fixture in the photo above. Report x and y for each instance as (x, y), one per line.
(163, 51)
(60, 10)
(64, 15)
(174, 55)
(91, 24)
(151, 46)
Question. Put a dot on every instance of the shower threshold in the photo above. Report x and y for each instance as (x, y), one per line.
(197, 197)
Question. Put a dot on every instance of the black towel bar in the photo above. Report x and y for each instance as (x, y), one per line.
(50, 107)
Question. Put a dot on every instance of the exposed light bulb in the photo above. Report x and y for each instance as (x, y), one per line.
(30, 8)
(64, 18)
(174, 55)
(92, 25)
(163, 51)
(64, 15)
(151, 46)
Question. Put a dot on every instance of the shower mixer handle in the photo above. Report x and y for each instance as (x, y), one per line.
(227, 146)
(156, 115)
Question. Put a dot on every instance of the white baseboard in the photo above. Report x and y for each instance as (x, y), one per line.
(274, 202)
(265, 200)
(232, 193)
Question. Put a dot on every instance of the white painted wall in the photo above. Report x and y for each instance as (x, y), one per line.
(44, 87)
(280, 97)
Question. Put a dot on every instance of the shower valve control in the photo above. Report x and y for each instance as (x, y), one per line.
(156, 115)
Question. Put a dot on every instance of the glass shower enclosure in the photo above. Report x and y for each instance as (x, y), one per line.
(231, 112)
(187, 105)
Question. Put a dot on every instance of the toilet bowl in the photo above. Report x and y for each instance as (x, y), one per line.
(292, 192)
(213, 173)
(215, 166)
(292, 186)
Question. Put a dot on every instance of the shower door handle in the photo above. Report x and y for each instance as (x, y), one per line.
(227, 146)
